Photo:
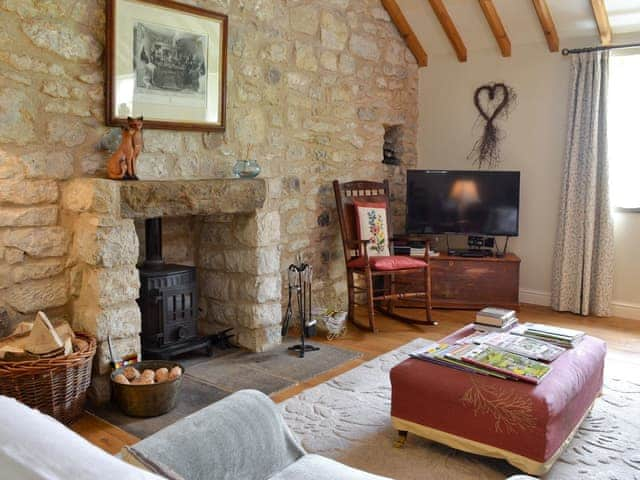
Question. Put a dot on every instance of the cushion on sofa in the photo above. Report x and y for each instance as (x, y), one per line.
(242, 436)
(34, 446)
(315, 467)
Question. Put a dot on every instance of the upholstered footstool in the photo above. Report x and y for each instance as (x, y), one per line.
(527, 425)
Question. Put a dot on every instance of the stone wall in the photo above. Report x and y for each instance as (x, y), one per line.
(312, 83)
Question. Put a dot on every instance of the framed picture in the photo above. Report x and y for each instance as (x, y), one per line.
(167, 62)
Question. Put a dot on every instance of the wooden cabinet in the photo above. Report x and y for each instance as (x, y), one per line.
(473, 283)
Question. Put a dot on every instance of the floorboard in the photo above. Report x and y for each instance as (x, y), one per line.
(622, 337)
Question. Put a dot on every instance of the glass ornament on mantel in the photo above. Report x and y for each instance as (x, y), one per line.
(246, 168)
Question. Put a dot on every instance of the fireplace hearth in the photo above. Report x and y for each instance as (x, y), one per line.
(168, 302)
(235, 251)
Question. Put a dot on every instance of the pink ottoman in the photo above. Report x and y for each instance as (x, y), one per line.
(527, 425)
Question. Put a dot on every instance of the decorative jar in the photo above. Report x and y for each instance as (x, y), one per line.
(246, 169)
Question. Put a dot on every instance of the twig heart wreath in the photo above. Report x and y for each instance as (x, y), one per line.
(500, 101)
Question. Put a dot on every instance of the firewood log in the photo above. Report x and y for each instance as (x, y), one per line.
(175, 372)
(162, 375)
(10, 353)
(23, 328)
(64, 330)
(43, 338)
(131, 373)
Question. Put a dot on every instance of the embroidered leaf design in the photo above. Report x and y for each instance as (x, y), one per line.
(511, 411)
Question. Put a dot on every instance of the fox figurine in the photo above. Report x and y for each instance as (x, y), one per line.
(122, 164)
(135, 125)
(118, 164)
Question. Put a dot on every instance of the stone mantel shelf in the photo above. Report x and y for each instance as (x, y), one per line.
(145, 199)
(158, 198)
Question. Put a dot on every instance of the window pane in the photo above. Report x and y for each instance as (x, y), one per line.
(624, 130)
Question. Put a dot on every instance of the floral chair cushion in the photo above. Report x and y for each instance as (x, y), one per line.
(371, 218)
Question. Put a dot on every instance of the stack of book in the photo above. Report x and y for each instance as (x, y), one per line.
(565, 337)
(495, 319)
(486, 360)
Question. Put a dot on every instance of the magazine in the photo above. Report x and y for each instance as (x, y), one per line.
(447, 355)
(511, 364)
(427, 352)
(454, 356)
(528, 347)
(561, 336)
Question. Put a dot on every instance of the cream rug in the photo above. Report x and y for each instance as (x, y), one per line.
(347, 419)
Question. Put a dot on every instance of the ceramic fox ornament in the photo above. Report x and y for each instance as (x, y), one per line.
(122, 164)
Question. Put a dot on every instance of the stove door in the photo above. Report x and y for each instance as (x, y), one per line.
(180, 315)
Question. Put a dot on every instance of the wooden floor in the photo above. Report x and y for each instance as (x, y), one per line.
(622, 337)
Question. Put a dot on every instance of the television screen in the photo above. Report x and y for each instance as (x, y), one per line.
(469, 202)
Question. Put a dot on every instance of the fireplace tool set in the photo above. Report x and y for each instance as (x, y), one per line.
(300, 276)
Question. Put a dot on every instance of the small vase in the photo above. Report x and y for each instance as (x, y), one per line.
(246, 169)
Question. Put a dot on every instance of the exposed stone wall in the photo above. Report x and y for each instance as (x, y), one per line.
(311, 85)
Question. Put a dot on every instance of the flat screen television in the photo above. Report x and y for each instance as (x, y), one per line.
(465, 202)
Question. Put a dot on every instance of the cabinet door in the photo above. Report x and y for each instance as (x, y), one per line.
(472, 282)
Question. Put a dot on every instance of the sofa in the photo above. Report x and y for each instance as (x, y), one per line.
(242, 437)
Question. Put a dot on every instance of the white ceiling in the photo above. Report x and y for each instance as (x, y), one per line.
(573, 19)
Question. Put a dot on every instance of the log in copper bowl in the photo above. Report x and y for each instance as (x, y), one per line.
(147, 400)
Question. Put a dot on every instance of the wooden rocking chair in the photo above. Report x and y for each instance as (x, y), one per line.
(390, 267)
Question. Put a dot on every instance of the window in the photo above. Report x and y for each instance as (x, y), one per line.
(624, 129)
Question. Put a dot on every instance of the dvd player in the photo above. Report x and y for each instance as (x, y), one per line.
(470, 252)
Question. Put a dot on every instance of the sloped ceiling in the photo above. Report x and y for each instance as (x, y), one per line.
(573, 19)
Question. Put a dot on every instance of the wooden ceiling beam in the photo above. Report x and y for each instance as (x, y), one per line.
(602, 20)
(399, 20)
(547, 24)
(449, 29)
(491, 14)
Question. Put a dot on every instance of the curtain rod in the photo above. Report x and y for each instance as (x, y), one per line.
(567, 51)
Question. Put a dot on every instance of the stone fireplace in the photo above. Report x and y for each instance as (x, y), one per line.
(236, 256)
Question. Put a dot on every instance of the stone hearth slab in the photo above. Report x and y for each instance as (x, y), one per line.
(209, 380)
(194, 396)
(146, 199)
(231, 374)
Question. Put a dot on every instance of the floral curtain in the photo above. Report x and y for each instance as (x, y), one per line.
(583, 258)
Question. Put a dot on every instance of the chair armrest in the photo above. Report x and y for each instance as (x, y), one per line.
(361, 246)
(357, 243)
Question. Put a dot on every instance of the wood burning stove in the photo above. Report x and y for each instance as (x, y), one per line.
(168, 302)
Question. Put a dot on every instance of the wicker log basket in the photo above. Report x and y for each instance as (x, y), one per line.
(55, 386)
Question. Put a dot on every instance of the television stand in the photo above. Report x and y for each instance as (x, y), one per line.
(470, 252)
(470, 282)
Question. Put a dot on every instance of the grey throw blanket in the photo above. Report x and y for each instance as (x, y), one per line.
(241, 437)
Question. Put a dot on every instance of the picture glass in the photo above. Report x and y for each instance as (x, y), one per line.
(167, 65)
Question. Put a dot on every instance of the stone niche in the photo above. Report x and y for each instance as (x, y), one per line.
(234, 244)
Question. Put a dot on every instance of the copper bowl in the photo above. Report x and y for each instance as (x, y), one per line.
(147, 400)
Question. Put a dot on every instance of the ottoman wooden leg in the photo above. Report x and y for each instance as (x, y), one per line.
(401, 440)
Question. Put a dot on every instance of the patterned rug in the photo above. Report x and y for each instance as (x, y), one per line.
(347, 419)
